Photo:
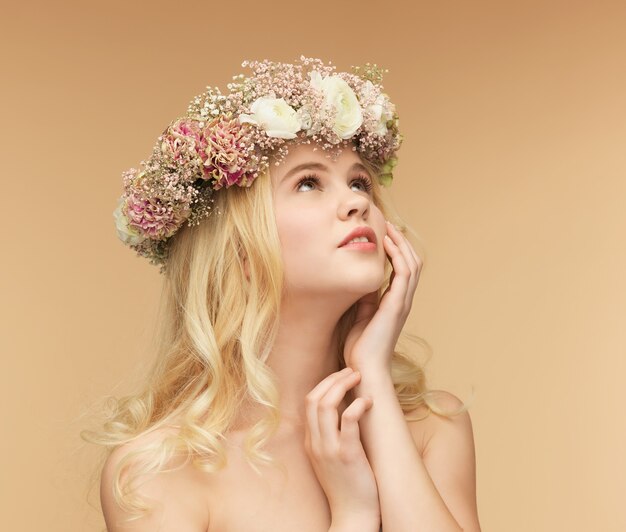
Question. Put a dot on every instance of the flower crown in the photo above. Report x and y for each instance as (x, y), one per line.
(227, 140)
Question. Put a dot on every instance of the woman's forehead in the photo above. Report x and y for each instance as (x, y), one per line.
(313, 152)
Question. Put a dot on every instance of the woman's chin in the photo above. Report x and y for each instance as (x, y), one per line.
(364, 285)
(353, 284)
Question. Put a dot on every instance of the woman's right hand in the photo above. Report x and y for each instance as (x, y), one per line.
(337, 455)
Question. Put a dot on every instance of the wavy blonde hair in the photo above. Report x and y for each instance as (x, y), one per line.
(214, 330)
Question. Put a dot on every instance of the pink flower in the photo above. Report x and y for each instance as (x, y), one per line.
(155, 219)
(183, 141)
(227, 148)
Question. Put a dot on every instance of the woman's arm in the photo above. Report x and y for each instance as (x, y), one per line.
(434, 494)
(410, 498)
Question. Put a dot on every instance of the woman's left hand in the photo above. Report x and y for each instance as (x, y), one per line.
(371, 341)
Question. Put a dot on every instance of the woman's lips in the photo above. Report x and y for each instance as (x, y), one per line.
(360, 246)
(363, 230)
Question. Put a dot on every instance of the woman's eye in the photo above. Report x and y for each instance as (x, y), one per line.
(362, 181)
(365, 183)
(308, 179)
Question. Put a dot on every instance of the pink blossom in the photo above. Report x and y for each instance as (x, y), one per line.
(154, 218)
(226, 152)
(184, 140)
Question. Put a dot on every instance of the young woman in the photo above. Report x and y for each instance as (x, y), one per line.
(277, 400)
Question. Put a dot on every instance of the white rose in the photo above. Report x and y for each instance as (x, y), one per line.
(381, 110)
(126, 234)
(275, 116)
(340, 96)
(367, 88)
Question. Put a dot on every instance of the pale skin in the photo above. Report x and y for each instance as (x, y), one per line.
(353, 459)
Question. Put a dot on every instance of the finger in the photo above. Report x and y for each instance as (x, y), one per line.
(414, 265)
(327, 414)
(402, 273)
(416, 268)
(350, 434)
(404, 245)
(311, 404)
(418, 261)
(327, 383)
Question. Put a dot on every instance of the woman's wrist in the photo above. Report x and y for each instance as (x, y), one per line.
(356, 525)
(373, 378)
(373, 370)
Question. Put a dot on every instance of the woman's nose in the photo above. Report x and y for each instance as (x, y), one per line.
(353, 203)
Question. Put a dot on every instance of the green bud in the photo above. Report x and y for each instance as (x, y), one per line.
(386, 179)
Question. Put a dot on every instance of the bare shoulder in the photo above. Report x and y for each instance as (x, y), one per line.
(448, 453)
(178, 499)
(424, 423)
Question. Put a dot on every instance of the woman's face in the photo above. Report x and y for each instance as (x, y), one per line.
(318, 202)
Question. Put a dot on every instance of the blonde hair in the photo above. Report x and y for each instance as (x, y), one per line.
(215, 327)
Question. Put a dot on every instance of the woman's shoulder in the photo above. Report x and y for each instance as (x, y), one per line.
(141, 442)
(424, 423)
(177, 496)
(447, 400)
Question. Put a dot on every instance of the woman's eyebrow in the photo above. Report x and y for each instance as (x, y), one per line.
(322, 167)
(305, 166)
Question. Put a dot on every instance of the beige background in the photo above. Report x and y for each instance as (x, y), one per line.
(513, 171)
